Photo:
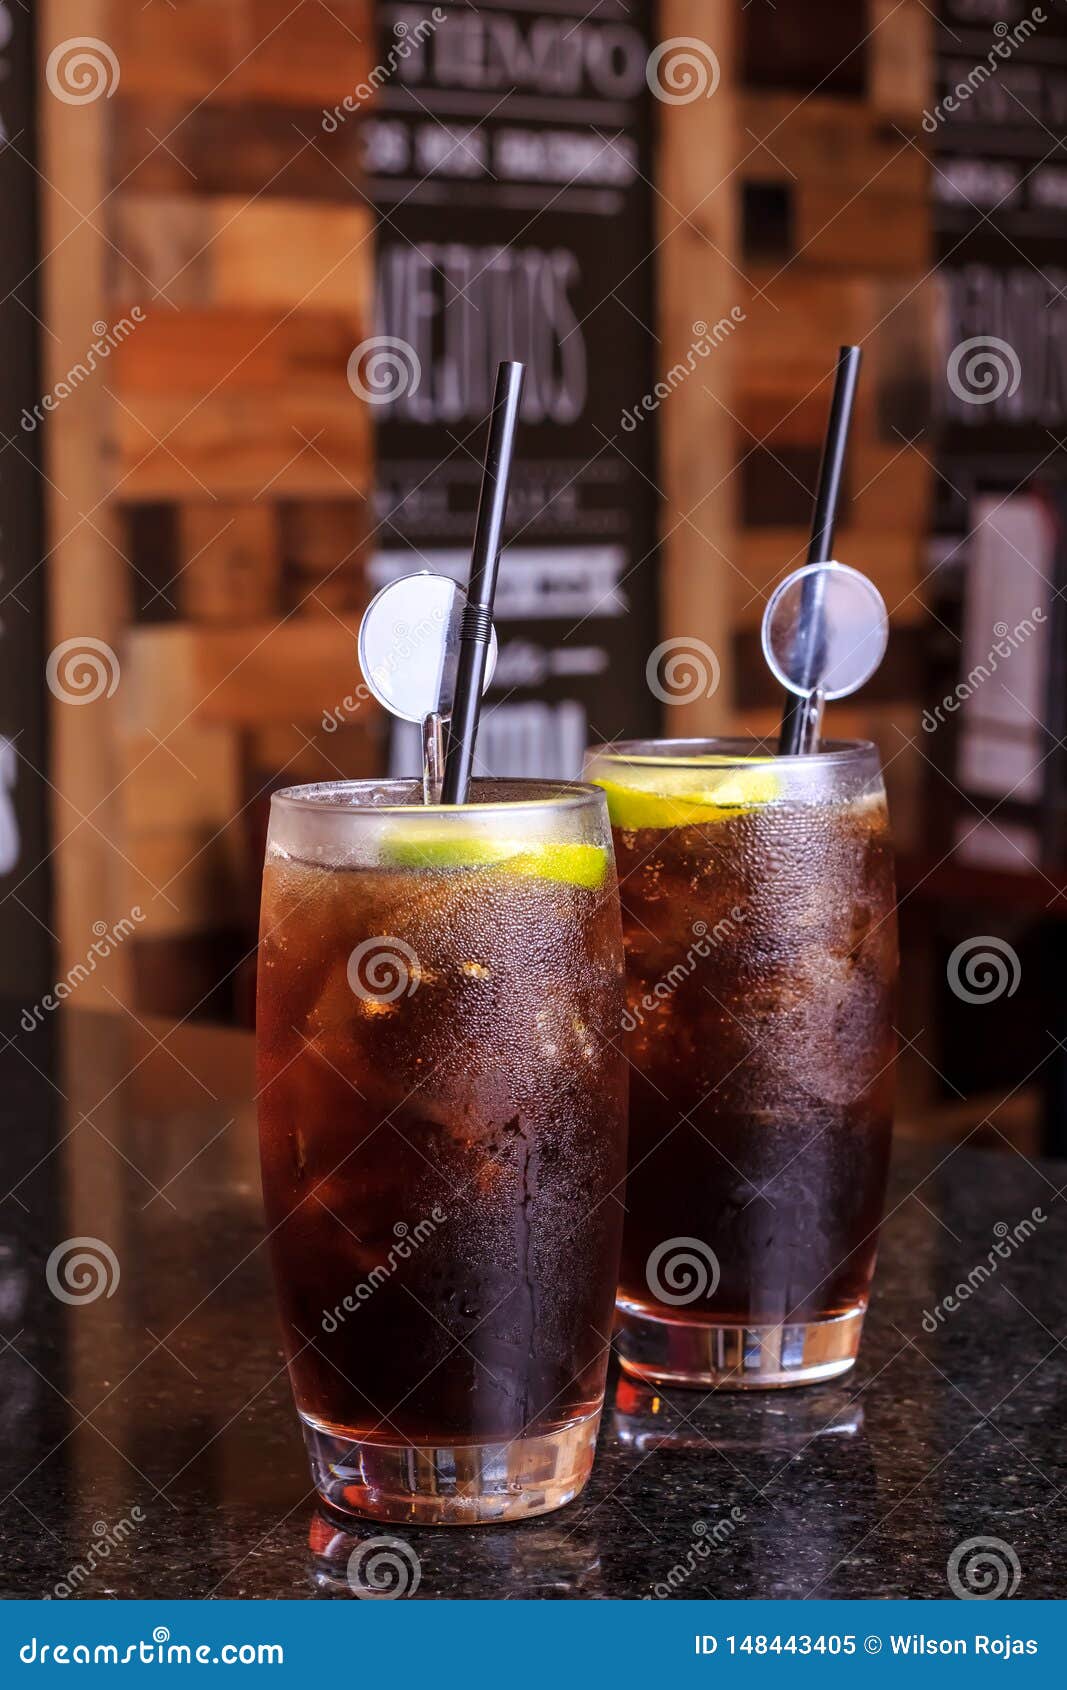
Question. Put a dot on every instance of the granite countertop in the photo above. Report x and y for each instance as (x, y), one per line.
(148, 1436)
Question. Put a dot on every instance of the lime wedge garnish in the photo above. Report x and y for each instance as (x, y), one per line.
(575, 864)
(571, 863)
(446, 850)
(736, 791)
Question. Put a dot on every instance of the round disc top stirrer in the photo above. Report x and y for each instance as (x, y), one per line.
(825, 631)
(409, 642)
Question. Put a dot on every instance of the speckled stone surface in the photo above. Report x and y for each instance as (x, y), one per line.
(149, 1435)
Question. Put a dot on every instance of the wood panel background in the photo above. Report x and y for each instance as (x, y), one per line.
(209, 482)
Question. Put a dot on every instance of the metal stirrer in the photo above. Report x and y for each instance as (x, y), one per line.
(854, 630)
(409, 643)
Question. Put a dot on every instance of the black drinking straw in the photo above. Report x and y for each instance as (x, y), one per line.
(481, 587)
(800, 718)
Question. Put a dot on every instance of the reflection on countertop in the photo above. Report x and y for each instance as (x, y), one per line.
(149, 1447)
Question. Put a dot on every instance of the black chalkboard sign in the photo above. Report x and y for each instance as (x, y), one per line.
(25, 947)
(509, 154)
(999, 180)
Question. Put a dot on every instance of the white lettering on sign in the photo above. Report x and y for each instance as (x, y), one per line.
(974, 182)
(1024, 310)
(527, 741)
(554, 56)
(462, 307)
(536, 583)
(564, 155)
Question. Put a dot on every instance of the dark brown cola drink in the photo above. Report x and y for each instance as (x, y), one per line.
(759, 921)
(442, 1121)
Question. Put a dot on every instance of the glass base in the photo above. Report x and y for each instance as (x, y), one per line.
(451, 1485)
(736, 1358)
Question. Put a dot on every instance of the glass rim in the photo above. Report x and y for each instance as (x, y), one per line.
(694, 753)
(334, 797)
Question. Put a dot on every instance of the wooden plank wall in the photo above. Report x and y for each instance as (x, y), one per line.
(807, 207)
(210, 481)
(698, 282)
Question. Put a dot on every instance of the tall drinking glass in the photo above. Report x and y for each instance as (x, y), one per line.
(761, 956)
(442, 1131)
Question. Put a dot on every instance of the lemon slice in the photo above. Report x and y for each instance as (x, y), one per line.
(573, 863)
(734, 793)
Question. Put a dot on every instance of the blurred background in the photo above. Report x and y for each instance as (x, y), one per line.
(260, 260)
